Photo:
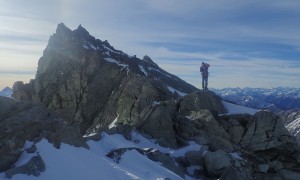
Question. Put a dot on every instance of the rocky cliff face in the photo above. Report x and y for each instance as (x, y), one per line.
(91, 83)
(88, 83)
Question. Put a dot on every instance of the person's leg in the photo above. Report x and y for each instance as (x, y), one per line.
(203, 82)
(206, 83)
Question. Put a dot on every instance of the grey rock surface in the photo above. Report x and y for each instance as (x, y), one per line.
(21, 121)
(90, 83)
(216, 162)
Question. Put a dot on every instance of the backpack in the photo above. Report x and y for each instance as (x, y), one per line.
(201, 69)
(204, 69)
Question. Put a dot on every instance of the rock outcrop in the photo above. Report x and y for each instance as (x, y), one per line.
(28, 121)
(23, 92)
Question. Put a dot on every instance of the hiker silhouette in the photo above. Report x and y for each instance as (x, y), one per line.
(204, 72)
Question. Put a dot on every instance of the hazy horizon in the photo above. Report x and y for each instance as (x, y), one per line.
(248, 44)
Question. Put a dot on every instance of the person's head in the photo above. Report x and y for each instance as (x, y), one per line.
(203, 63)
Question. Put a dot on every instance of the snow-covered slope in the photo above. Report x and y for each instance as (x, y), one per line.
(294, 128)
(237, 109)
(291, 120)
(74, 163)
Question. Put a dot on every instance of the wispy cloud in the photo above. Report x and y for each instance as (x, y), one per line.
(248, 43)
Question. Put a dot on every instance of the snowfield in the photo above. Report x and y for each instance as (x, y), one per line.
(236, 109)
(75, 163)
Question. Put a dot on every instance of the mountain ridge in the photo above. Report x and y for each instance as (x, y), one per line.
(283, 101)
(87, 87)
(75, 67)
(280, 98)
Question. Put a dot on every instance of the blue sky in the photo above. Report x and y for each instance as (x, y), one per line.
(248, 43)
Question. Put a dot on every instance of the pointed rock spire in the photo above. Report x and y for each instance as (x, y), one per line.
(62, 29)
(147, 59)
(81, 31)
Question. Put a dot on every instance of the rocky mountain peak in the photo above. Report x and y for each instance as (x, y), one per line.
(147, 59)
(62, 29)
(78, 75)
(82, 33)
(81, 29)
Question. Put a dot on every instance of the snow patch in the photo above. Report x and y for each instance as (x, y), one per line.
(293, 127)
(113, 124)
(111, 50)
(155, 103)
(235, 155)
(144, 168)
(88, 45)
(236, 109)
(146, 143)
(143, 70)
(85, 46)
(153, 69)
(172, 90)
(89, 135)
(93, 47)
(116, 62)
(78, 163)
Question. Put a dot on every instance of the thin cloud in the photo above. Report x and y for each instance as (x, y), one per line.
(248, 43)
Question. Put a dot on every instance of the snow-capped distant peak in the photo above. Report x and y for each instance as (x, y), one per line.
(7, 92)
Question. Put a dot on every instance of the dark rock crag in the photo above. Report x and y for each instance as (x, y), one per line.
(90, 83)
(28, 121)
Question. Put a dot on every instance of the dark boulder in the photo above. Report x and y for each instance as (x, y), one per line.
(21, 121)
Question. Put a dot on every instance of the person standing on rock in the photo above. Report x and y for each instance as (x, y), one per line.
(204, 72)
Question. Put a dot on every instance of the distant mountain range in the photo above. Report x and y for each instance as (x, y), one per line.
(284, 102)
(275, 99)
(7, 92)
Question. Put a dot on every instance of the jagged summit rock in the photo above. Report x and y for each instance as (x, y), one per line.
(147, 59)
(22, 92)
(202, 100)
(62, 29)
(92, 83)
(81, 31)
